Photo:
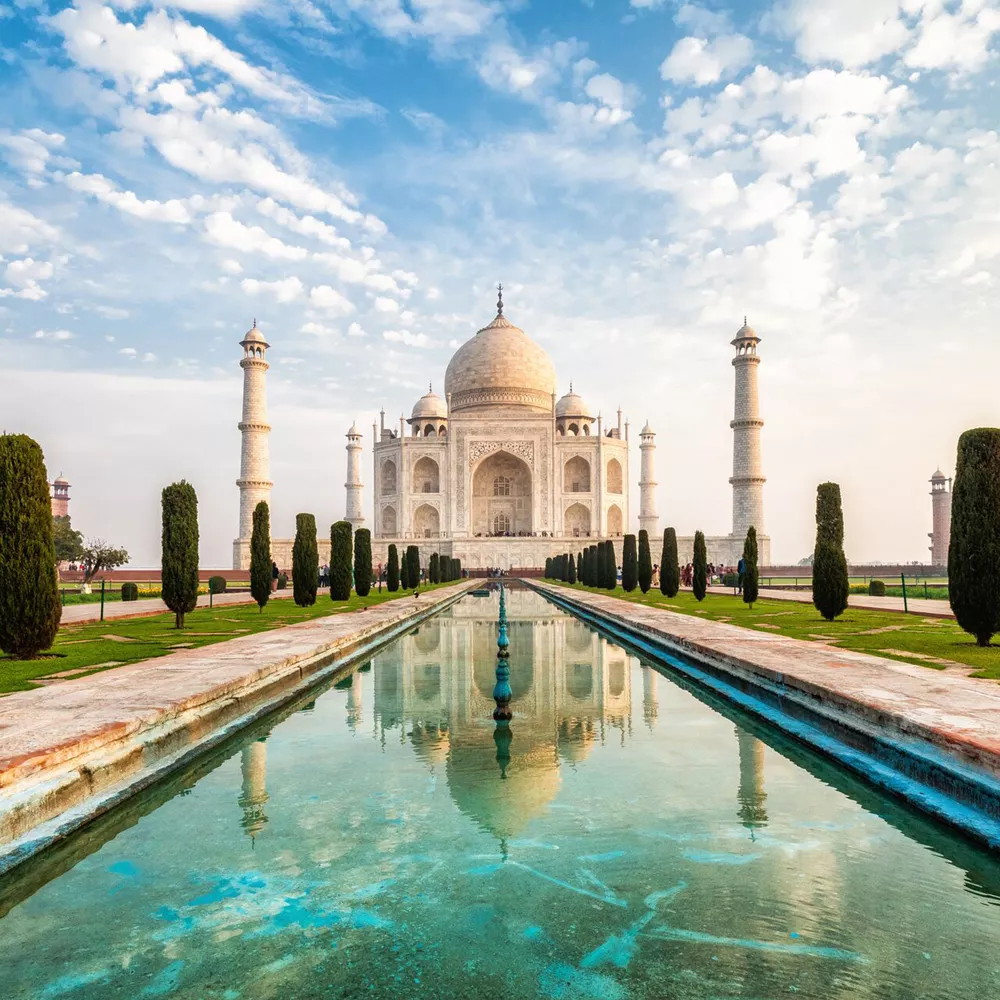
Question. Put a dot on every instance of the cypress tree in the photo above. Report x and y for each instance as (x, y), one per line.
(340, 561)
(645, 562)
(630, 564)
(830, 582)
(592, 564)
(434, 569)
(404, 570)
(750, 574)
(571, 574)
(260, 555)
(699, 564)
(179, 550)
(392, 571)
(582, 570)
(362, 562)
(458, 569)
(30, 607)
(305, 561)
(612, 566)
(413, 555)
(670, 571)
(548, 568)
(974, 553)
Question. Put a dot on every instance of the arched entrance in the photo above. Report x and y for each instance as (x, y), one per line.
(614, 520)
(501, 496)
(426, 521)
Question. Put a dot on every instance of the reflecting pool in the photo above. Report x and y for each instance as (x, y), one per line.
(631, 838)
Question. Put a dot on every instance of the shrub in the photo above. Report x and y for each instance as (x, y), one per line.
(731, 580)
(645, 562)
(548, 568)
(130, 591)
(670, 571)
(610, 566)
(305, 561)
(179, 550)
(458, 569)
(876, 588)
(571, 570)
(974, 554)
(630, 564)
(340, 560)
(413, 565)
(30, 606)
(392, 570)
(260, 555)
(830, 582)
(750, 573)
(362, 562)
(282, 583)
(593, 567)
(699, 566)
(216, 584)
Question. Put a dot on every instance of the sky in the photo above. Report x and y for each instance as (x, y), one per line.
(640, 174)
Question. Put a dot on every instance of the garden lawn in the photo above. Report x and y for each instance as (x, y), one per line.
(87, 648)
(927, 642)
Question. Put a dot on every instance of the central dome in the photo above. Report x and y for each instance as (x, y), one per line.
(500, 366)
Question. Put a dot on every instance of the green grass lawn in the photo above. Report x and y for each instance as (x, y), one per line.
(911, 638)
(93, 646)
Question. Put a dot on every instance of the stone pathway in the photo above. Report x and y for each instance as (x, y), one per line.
(74, 613)
(917, 605)
(70, 750)
(958, 714)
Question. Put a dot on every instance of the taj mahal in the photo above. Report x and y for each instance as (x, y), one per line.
(501, 471)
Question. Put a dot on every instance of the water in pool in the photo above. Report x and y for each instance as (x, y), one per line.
(632, 840)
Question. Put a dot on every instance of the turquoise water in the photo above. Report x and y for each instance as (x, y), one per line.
(632, 840)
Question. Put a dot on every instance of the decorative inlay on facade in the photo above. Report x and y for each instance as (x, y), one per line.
(520, 449)
(244, 426)
(500, 397)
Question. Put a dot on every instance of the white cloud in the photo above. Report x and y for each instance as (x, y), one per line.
(850, 32)
(330, 301)
(225, 231)
(307, 225)
(232, 266)
(386, 305)
(700, 61)
(20, 230)
(283, 290)
(356, 330)
(127, 201)
(129, 352)
(407, 338)
(614, 97)
(27, 271)
(443, 21)
(53, 335)
(958, 41)
(31, 149)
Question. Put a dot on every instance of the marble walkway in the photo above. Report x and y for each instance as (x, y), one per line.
(958, 714)
(70, 751)
(74, 613)
(928, 606)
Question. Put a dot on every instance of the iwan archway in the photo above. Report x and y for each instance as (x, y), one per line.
(501, 496)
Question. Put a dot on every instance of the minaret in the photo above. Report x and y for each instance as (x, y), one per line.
(253, 791)
(941, 512)
(747, 481)
(255, 467)
(751, 794)
(354, 512)
(60, 497)
(648, 518)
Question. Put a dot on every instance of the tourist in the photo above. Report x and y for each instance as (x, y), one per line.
(655, 584)
(274, 575)
(740, 568)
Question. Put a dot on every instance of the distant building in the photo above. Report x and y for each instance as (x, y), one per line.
(60, 498)
(940, 536)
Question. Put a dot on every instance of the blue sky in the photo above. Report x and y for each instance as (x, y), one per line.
(358, 174)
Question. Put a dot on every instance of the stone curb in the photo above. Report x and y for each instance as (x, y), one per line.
(931, 740)
(72, 752)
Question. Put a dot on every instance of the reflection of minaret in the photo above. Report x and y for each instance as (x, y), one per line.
(254, 794)
(354, 703)
(751, 792)
(650, 705)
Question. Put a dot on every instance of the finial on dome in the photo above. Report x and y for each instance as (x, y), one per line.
(254, 323)
(744, 319)
(500, 299)
(571, 387)
(430, 387)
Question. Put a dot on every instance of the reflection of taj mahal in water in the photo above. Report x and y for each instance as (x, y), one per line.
(572, 691)
(501, 470)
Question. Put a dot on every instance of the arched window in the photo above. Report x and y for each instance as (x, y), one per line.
(388, 478)
(429, 431)
(426, 477)
(442, 431)
(501, 486)
(614, 476)
(501, 524)
(576, 475)
(389, 521)
(574, 429)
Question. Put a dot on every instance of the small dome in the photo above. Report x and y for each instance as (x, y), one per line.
(354, 432)
(937, 475)
(573, 405)
(254, 336)
(430, 405)
(746, 332)
(59, 481)
(647, 430)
